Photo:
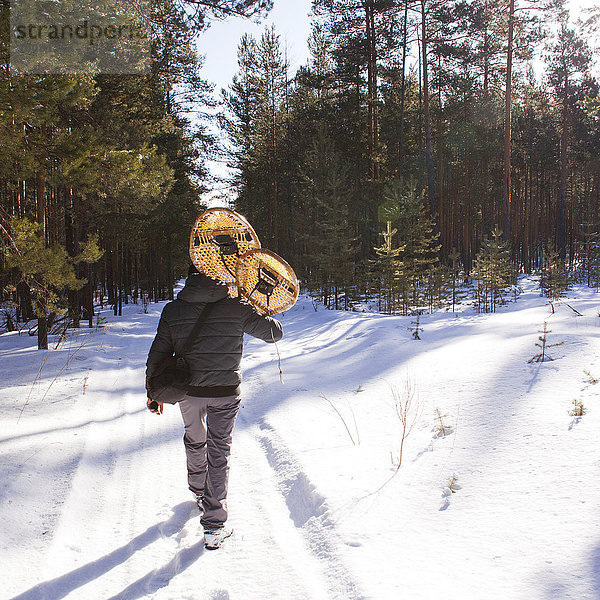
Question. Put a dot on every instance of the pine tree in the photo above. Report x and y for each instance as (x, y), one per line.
(47, 271)
(589, 252)
(257, 104)
(453, 272)
(494, 271)
(361, 36)
(554, 277)
(324, 181)
(568, 60)
(112, 155)
(387, 269)
(417, 258)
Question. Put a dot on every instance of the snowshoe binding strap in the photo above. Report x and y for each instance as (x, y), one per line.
(219, 236)
(227, 245)
(266, 281)
(266, 284)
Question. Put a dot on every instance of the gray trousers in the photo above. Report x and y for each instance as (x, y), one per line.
(208, 431)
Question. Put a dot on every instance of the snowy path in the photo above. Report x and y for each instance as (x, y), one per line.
(120, 527)
(93, 487)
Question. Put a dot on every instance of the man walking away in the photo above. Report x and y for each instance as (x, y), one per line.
(210, 407)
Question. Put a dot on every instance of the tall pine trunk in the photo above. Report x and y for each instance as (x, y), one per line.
(72, 243)
(373, 125)
(403, 90)
(562, 200)
(42, 304)
(506, 224)
(427, 116)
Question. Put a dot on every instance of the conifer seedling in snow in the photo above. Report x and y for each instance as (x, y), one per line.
(578, 409)
(543, 345)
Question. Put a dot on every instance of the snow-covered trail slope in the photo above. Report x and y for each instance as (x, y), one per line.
(93, 487)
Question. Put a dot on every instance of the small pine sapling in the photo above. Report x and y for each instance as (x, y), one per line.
(517, 290)
(494, 272)
(456, 294)
(417, 329)
(578, 409)
(390, 267)
(101, 321)
(589, 253)
(543, 345)
(453, 485)
(554, 277)
(407, 269)
(8, 313)
(441, 429)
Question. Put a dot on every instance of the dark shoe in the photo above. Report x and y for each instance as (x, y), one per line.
(213, 538)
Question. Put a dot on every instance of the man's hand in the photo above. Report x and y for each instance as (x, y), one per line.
(154, 406)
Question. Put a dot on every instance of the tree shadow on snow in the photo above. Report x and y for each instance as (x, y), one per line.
(333, 366)
(555, 589)
(67, 583)
(74, 427)
(595, 563)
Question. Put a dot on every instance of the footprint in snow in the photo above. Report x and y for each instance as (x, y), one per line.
(354, 542)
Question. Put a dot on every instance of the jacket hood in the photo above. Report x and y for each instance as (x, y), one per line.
(200, 288)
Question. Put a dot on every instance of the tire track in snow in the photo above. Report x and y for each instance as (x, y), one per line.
(265, 558)
(97, 546)
(269, 556)
(308, 511)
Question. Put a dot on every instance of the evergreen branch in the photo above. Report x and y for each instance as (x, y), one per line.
(228, 10)
(11, 240)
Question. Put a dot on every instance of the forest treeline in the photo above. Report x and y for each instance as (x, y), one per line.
(416, 132)
(101, 174)
(424, 142)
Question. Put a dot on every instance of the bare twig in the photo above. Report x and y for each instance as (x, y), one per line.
(339, 414)
(278, 357)
(407, 410)
(33, 384)
(67, 363)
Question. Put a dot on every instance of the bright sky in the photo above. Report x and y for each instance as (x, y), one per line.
(291, 19)
(219, 46)
(220, 42)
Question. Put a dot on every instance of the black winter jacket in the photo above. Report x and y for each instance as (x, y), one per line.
(214, 358)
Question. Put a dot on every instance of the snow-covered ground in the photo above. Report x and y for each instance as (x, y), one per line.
(93, 495)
